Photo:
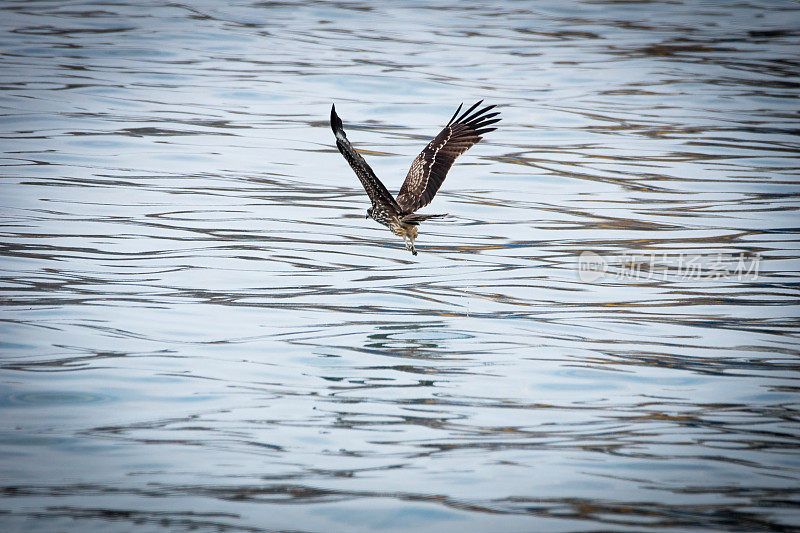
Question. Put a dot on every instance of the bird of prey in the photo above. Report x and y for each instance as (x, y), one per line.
(426, 174)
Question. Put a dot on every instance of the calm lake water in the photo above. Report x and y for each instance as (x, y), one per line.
(200, 331)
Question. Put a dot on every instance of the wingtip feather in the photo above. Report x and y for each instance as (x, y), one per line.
(484, 123)
(466, 113)
(478, 115)
(336, 122)
(455, 114)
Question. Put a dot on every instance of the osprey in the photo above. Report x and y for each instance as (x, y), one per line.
(426, 174)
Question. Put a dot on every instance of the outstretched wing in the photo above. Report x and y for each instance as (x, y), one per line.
(375, 189)
(430, 167)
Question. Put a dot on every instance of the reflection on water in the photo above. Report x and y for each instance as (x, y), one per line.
(201, 331)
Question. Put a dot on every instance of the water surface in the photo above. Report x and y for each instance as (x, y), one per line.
(199, 329)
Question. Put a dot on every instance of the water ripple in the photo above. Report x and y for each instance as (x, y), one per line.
(201, 330)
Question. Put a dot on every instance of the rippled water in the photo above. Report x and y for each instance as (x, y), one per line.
(201, 331)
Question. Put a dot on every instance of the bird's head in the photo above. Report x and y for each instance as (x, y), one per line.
(369, 213)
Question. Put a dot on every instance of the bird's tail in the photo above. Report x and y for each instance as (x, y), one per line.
(416, 219)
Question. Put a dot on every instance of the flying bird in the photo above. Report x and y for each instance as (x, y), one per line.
(426, 174)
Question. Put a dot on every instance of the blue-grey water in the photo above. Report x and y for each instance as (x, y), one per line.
(200, 331)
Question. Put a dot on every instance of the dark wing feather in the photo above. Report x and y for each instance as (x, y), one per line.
(377, 192)
(430, 167)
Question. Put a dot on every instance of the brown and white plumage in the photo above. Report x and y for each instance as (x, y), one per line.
(426, 174)
(429, 169)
